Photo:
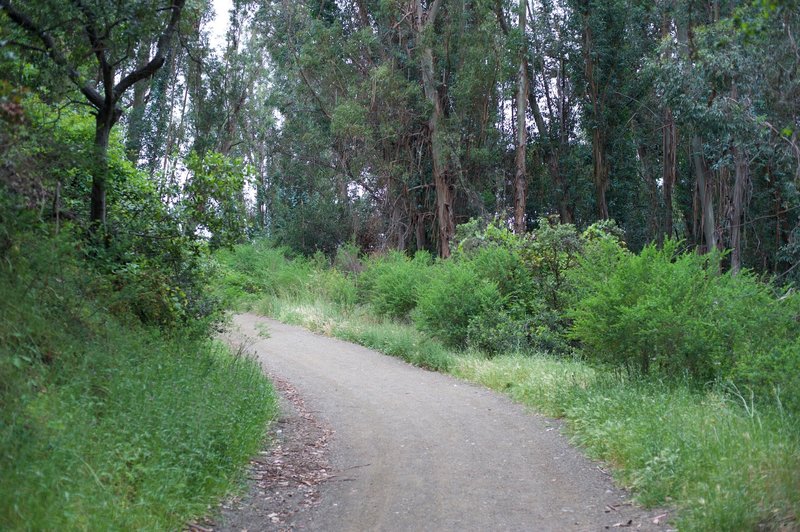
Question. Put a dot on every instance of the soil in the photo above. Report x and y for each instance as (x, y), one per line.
(412, 450)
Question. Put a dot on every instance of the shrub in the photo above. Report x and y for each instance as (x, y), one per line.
(498, 331)
(772, 374)
(347, 259)
(530, 273)
(454, 296)
(334, 286)
(673, 313)
(550, 253)
(394, 280)
(502, 265)
(250, 271)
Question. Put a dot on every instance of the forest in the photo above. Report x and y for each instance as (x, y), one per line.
(569, 201)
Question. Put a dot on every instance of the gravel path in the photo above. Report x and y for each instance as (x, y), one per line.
(411, 449)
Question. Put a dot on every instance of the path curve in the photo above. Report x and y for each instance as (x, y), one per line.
(418, 450)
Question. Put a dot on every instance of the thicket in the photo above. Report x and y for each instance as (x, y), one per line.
(117, 409)
(674, 314)
(664, 313)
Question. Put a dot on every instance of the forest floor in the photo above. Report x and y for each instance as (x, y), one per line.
(412, 450)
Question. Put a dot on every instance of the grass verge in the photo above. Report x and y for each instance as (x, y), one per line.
(106, 424)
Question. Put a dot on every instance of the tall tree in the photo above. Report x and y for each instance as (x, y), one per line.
(109, 34)
(424, 28)
(520, 173)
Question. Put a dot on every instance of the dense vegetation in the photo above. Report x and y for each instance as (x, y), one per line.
(444, 175)
(118, 410)
(696, 408)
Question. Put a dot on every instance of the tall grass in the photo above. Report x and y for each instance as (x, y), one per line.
(106, 424)
(724, 462)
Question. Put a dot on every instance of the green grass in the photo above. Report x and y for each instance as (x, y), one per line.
(106, 424)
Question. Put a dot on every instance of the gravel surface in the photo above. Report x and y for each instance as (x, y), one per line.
(412, 450)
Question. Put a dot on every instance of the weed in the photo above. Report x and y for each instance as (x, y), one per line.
(263, 330)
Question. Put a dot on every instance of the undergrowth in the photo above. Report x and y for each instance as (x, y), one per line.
(723, 460)
(108, 424)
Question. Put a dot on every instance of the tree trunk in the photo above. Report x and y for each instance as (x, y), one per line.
(600, 173)
(564, 202)
(670, 163)
(652, 192)
(103, 123)
(599, 160)
(704, 191)
(701, 173)
(669, 137)
(741, 179)
(445, 192)
(520, 177)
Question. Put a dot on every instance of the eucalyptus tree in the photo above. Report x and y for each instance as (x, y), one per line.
(553, 48)
(93, 45)
(612, 52)
(521, 108)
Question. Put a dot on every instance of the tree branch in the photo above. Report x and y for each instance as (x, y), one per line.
(158, 59)
(25, 22)
(99, 49)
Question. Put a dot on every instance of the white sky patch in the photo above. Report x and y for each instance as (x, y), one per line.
(218, 26)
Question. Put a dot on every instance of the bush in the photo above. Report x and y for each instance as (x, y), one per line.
(773, 375)
(550, 253)
(499, 331)
(392, 282)
(673, 313)
(251, 271)
(454, 296)
(334, 286)
(530, 273)
(503, 266)
(348, 259)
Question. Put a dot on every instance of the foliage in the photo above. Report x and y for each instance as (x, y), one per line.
(497, 255)
(334, 286)
(212, 197)
(252, 271)
(160, 272)
(530, 272)
(674, 314)
(348, 259)
(454, 296)
(393, 281)
(554, 250)
(771, 373)
(108, 423)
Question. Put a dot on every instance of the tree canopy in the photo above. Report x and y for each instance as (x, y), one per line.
(389, 123)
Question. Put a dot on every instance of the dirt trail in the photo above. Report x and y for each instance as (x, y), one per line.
(417, 450)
